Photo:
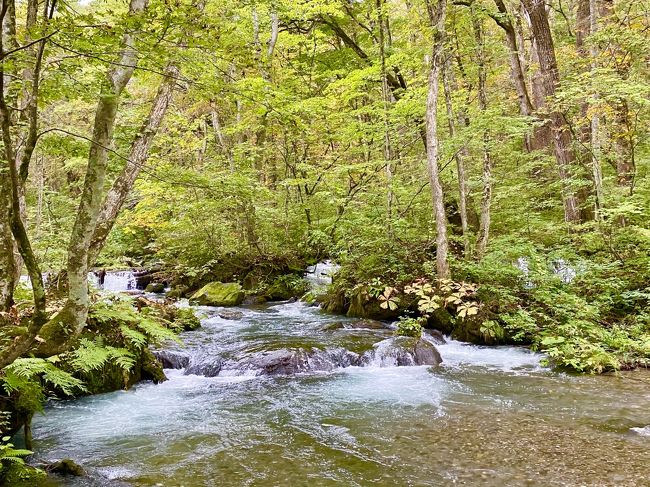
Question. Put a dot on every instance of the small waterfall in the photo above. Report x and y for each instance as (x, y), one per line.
(388, 354)
(319, 276)
(115, 281)
(560, 267)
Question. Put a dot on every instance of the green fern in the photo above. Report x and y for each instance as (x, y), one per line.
(133, 337)
(93, 355)
(24, 370)
(156, 333)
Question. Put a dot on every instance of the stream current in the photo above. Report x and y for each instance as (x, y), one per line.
(487, 416)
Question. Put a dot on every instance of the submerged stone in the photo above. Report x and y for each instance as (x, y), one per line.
(219, 294)
(231, 315)
(366, 324)
(281, 362)
(67, 467)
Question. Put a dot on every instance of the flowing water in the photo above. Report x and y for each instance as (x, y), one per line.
(287, 395)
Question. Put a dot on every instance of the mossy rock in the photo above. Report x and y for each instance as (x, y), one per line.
(470, 330)
(67, 467)
(155, 287)
(18, 475)
(186, 319)
(334, 303)
(151, 368)
(111, 377)
(178, 292)
(219, 294)
(442, 320)
(286, 287)
(361, 307)
(253, 299)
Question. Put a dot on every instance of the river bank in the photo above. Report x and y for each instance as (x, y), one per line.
(485, 416)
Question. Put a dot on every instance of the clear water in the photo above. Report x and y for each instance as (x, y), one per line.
(485, 417)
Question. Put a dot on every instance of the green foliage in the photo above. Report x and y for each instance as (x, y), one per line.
(136, 328)
(93, 355)
(19, 375)
(299, 153)
(410, 327)
(11, 457)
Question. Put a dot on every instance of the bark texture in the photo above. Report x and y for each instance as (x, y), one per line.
(437, 10)
(547, 84)
(72, 318)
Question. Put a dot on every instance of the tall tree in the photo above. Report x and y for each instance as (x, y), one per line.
(548, 83)
(437, 12)
(486, 179)
(71, 319)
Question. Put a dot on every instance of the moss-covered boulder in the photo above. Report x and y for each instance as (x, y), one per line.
(112, 377)
(19, 475)
(178, 292)
(362, 306)
(186, 319)
(66, 467)
(155, 287)
(219, 294)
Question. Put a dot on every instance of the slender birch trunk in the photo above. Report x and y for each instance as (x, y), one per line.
(117, 195)
(71, 319)
(437, 10)
(486, 179)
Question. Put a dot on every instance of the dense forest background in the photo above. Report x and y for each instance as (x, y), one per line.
(476, 166)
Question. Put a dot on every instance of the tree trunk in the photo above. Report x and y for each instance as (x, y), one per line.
(518, 71)
(486, 199)
(437, 10)
(116, 196)
(221, 139)
(386, 98)
(71, 319)
(10, 195)
(548, 82)
(7, 260)
(460, 162)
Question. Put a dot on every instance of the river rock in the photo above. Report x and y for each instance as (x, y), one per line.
(368, 324)
(425, 353)
(402, 351)
(66, 467)
(219, 294)
(206, 366)
(254, 300)
(230, 314)
(172, 360)
(281, 362)
(332, 358)
(155, 287)
(436, 336)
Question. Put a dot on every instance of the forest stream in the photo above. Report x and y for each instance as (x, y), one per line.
(488, 416)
